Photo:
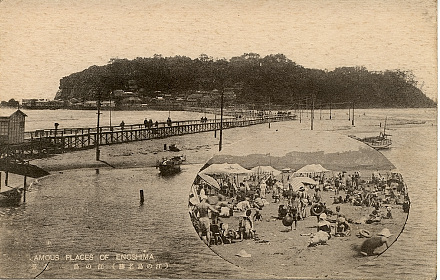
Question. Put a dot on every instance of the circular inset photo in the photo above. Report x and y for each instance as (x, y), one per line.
(295, 203)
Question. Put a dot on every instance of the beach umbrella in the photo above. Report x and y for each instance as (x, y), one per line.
(208, 179)
(265, 169)
(304, 180)
(296, 185)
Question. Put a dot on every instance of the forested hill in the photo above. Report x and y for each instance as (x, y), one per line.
(254, 79)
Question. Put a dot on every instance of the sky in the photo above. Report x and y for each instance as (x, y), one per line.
(41, 41)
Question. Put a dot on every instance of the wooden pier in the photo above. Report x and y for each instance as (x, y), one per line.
(41, 143)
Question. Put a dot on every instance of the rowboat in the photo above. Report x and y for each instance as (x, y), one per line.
(169, 166)
(10, 197)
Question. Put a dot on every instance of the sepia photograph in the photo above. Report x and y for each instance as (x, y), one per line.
(218, 139)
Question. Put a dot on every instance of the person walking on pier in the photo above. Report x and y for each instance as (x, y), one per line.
(169, 122)
(122, 124)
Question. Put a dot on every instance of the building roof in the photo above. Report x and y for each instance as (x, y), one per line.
(7, 112)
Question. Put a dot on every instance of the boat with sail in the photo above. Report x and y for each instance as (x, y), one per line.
(382, 141)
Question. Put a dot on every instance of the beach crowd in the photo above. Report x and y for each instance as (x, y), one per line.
(232, 210)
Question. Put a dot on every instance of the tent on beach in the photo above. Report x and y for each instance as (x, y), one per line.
(311, 169)
(265, 170)
(225, 168)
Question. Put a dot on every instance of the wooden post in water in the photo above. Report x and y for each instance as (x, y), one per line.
(24, 189)
(141, 196)
(0, 180)
(6, 178)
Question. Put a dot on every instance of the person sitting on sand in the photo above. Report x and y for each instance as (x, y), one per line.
(342, 227)
(324, 225)
(205, 224)
(375, 216)
(372, 243)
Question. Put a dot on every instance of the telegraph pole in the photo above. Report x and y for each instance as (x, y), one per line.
(98, 134)
(330, 110)
(352, 119)
(269, 111)
(221, 122)
(312, 113)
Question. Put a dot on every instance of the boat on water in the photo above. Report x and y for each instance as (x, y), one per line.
(169, 166)
(11, 197)
(376, 142)
(382, 141)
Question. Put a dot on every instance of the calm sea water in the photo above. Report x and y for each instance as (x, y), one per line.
(79, 212)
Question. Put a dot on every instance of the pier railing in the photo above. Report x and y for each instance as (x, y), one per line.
(51, 141)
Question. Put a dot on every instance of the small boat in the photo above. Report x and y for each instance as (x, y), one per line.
(11, 197)
(171, 165)
(376, 142)
(174, 148)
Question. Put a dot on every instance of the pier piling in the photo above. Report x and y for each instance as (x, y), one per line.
(141, 196)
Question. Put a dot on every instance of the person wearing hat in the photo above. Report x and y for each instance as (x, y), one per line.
(202, 210)
(324, 225)
(369, 245)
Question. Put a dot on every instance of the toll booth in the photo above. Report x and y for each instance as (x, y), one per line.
(12, 128)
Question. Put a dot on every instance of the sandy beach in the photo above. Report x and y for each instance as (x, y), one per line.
(283, 252)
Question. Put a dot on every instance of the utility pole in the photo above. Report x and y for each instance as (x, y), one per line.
(320, 110)
(215, 124)
(349, 113)
(98, 134)
(110, 95)
(352, 119)
(221, 122)
(312, 113)
(269, 111)
(330, 110)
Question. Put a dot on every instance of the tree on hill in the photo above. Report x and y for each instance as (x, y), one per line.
(259, 79)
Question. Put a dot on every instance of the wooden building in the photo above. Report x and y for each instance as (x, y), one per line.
(12, 128)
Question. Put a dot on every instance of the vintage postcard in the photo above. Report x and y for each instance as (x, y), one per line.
(218, 139)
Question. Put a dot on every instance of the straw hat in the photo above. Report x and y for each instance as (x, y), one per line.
(323, 216)
(385, 232)
(243, 254)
